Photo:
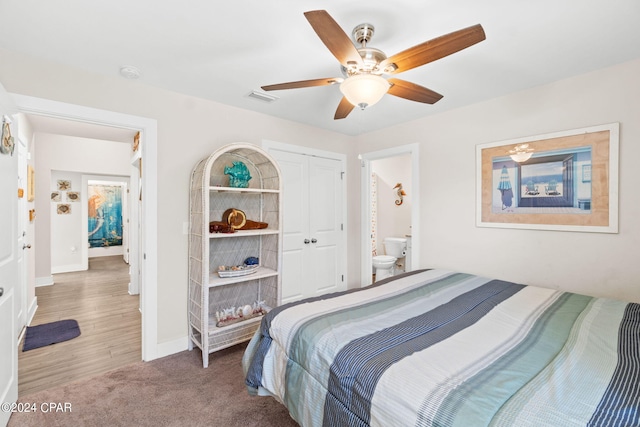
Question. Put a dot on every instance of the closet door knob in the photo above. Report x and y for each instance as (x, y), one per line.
(314, 241)
(306, 241)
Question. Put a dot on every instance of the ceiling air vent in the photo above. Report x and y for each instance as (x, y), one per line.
(261, 96)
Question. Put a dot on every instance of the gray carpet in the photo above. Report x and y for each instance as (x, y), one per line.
(172, 391)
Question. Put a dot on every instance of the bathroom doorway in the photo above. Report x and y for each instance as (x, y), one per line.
(390, 205)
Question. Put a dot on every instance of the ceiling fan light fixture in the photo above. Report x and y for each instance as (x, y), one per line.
(364, 90)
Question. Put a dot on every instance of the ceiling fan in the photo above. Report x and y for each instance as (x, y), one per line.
(363, 67)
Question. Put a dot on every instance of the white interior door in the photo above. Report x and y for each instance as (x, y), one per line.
(312, 214)
(9, 274)
(295, 210)
(24, 240)
(135, 227)
(325, 215)
(125, 223)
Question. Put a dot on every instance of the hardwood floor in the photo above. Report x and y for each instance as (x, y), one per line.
(109, 320)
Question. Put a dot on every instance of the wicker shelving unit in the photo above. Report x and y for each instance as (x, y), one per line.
(210, 196)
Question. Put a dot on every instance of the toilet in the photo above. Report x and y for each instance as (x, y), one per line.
(394, 247)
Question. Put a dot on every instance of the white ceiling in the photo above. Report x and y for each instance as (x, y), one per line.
(223, 50)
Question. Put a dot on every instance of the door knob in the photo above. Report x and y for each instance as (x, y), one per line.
(314, 240)
(1, 291)
(26, 246)
(306, 241)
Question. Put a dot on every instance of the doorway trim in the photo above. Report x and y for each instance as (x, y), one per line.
(365, 204)
(148, 259)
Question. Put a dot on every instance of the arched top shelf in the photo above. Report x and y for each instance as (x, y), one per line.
(265, 175)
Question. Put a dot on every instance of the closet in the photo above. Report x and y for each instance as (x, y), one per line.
(313, 248)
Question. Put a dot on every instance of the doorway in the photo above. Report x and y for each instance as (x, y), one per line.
(371, 241)
(143, 262)
(107, 216)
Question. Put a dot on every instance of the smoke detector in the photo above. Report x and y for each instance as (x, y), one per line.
(130, 72)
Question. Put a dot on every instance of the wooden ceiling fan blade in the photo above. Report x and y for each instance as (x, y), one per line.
(303, 83)
(433, 49)
(344, 108)
(413, 92)
(336, 40)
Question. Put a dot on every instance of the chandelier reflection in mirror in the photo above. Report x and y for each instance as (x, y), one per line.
(521, 153)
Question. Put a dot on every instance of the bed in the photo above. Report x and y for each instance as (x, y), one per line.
(443, 348)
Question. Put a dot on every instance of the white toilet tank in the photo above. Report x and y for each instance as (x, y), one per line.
(395, 246)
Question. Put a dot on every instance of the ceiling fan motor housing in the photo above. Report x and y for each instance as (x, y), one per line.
(363, 33)
(371, 57)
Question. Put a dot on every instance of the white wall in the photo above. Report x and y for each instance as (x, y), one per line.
(590, 263)
(66, 228)
(59, 238)
(393, 220)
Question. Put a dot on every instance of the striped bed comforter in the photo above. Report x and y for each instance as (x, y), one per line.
(440, 348)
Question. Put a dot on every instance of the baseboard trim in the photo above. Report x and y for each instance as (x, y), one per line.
(68, 268)
(32, 310)
(43, 281)
(172, 347)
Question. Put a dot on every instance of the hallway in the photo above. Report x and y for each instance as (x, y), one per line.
(109, 320)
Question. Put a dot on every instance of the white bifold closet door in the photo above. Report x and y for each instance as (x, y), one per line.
(312, 214)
